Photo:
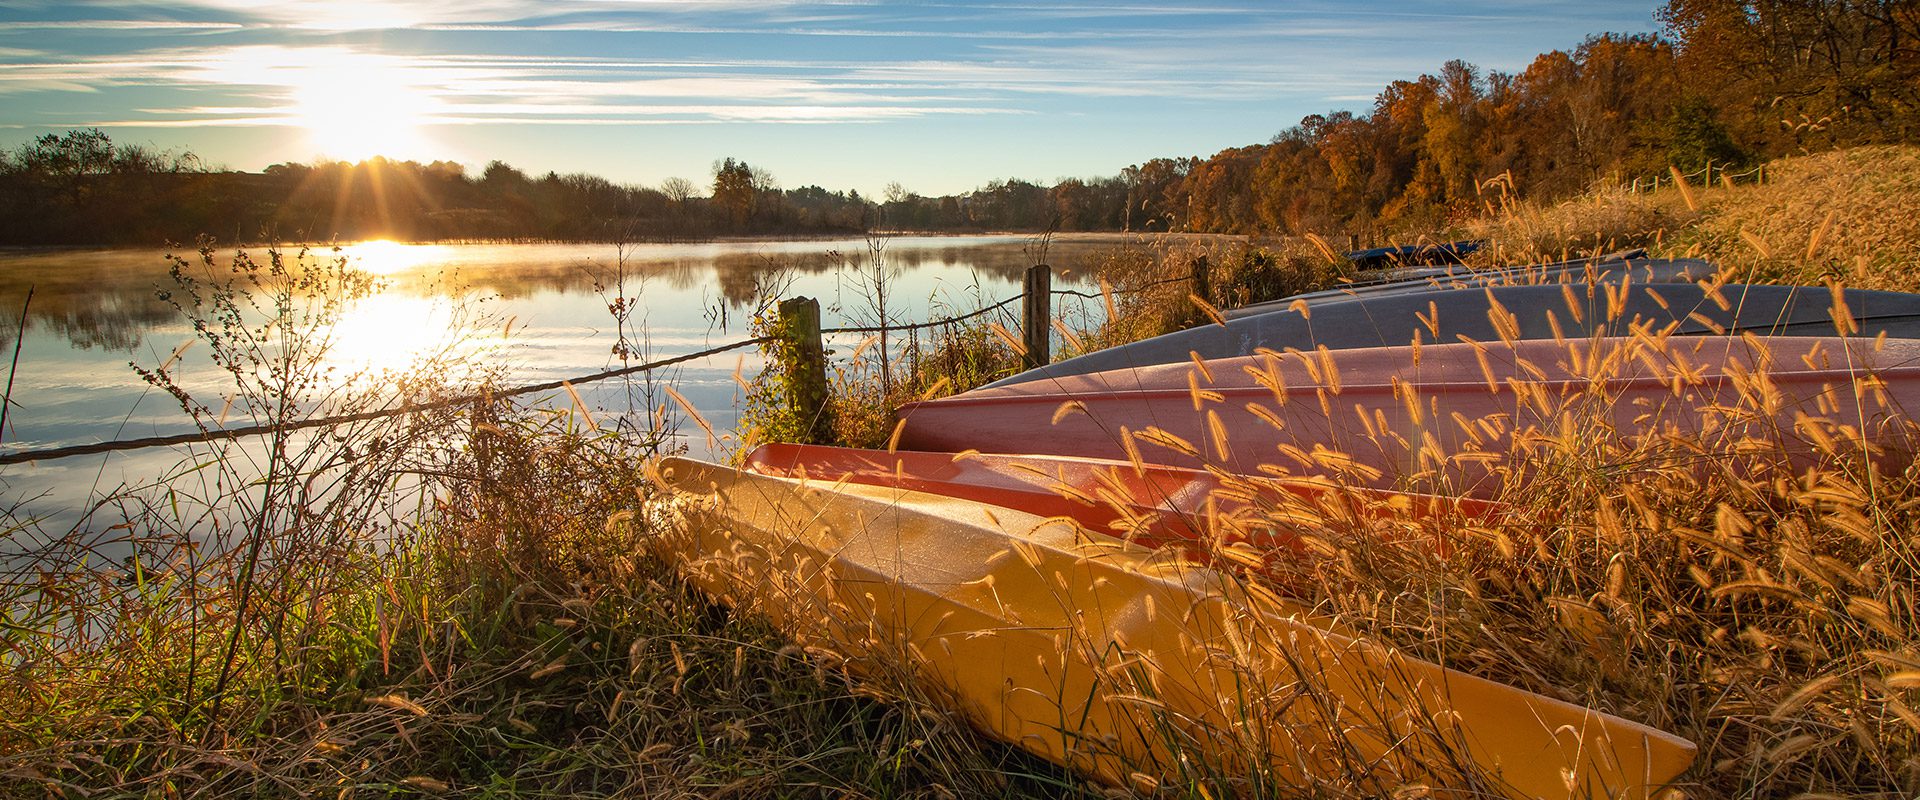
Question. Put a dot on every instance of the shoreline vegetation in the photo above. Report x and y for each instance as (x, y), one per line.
(467, 603)
(517, 637)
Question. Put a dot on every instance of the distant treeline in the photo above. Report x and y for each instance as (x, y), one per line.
(1727, 83)
(79, 188)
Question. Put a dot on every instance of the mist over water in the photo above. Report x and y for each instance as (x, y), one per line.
(533, 312)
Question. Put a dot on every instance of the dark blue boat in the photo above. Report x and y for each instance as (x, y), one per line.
(1413, 255)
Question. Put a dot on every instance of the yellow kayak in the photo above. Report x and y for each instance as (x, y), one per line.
(1132, 667)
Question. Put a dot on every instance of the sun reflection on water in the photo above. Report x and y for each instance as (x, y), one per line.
(390, 331)
(385, 257)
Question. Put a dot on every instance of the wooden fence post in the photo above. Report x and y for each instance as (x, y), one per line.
(806, 367)
(1036, 316)
(1197, 281)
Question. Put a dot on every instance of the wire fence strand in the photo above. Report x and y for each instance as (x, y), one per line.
(213, 434)
(216, 434)
(919, 325)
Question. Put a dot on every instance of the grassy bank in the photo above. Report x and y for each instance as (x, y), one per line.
(513, 637)
(1844, 216)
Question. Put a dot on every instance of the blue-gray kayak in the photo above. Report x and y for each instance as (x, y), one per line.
(1488, 313)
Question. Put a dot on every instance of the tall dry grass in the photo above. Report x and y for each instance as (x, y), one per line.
(1706, 584)
(1729, 585)
(1148, 296)
(1847, 215)
(1748, 586)
(1609, 219)
(452, 603)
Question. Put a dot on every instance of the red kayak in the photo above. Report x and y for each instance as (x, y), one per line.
(1444, 418)
(1207, 513)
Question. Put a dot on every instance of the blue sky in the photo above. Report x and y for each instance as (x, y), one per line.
(939, 96)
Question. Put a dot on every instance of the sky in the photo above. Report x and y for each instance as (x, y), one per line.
(940, 97)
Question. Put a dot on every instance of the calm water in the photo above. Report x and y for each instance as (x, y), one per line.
(542, 311)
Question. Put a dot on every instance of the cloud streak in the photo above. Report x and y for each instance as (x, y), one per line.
(464, 87)
(1061, 84)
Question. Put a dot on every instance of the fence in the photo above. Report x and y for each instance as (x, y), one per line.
(799, 329)
(1704, 176)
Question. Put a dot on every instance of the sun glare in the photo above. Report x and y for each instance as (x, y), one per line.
(385, 257)
(362, 106)
(389, 332)
(353, 104)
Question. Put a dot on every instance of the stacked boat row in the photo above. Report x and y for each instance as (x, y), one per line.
(1074, 556)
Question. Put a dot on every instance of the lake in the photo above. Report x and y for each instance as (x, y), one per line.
(538, 311)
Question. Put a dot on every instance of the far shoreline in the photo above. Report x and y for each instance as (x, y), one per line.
(1082, 237)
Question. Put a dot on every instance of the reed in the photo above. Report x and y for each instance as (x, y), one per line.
(1742, 582)
(448, 604)
(465, 604)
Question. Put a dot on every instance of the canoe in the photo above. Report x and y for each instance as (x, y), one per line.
(1637, 270)
(1413, 254)
(1515, 312)
(1126, 667)
(1443, 418)
(1218, 518)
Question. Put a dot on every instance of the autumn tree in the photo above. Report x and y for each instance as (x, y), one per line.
(1452, 120)
(1156, 194)
(734, 190)
(1802, 74)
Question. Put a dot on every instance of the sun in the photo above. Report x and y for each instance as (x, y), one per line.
(361, 106)
(387, 257)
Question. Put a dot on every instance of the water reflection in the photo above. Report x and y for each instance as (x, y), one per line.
(389, 331)
(95, 311)
(92, 300)
(385, 257)
(107, 300)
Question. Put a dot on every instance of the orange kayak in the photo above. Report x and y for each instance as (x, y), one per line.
(1139, 671)
(1210, 514)
(1444, 418)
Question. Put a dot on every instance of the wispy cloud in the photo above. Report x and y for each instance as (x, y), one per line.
(397, 14)
(469, 89)
(1112, 80)
(117, 25)
(547, 114)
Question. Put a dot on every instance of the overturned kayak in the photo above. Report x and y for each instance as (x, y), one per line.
(1441, 273)
(1099, 656)
(1602, 270)
(1517, 312)
(1217, 517)
(1413, 255)
(1444, 418)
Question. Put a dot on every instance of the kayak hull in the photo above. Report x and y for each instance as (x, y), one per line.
(1098, 656)
(1219, 518)
(1445, 316)
(1445, 418)
(1601, 271)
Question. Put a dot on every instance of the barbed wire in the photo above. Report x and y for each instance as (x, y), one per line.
(919, 325)
(997, 306)
(215, 434)
(1120, 292)
(212, 434)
